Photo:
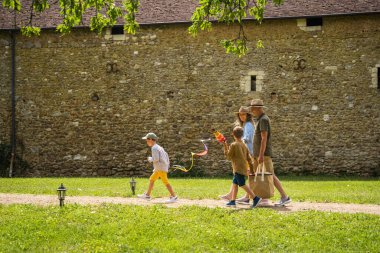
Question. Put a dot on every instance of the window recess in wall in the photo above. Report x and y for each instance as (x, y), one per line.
(115, 33)
(376, 77)
(117, 30)
(314, 22)
(252, 81)
(310, 24)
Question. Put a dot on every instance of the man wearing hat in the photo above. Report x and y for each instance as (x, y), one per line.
(262, 146)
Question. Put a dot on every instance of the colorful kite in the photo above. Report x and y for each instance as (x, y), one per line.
(203, 153)
(219, 136)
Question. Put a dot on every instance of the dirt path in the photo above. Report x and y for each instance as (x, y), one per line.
(6, 198)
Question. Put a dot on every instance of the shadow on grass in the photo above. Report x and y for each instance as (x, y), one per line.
(240, 208)
(299, 178)
(326, 178)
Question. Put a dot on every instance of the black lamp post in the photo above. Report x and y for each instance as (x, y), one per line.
(133, 185)
(61, 194)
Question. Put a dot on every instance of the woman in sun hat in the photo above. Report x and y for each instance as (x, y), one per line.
(245, 120)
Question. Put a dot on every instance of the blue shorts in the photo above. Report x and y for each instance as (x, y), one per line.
(238, 179)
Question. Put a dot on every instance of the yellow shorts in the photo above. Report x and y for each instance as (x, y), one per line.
(160, 174)
(267, 163)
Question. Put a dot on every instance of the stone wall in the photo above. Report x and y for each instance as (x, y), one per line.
(84, 102)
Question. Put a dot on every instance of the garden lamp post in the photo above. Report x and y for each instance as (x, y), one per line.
(61, 194)
(133, 185)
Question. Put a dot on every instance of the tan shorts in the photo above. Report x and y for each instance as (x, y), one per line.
(267, 163)
(160, 174)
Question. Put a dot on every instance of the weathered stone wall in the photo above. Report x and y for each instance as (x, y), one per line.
(5, 88)
(84, 102)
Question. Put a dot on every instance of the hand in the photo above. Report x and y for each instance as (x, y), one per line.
(261, 158)
(150, 159)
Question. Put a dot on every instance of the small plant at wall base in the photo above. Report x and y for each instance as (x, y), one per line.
(20, 166)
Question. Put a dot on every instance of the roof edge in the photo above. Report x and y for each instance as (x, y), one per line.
(215, 21)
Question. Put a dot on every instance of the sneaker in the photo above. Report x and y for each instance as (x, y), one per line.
(225, 197)
(283, 201)
(172, 199)
(264, 202)
(256, 201)
(143, 196)
(243, 200)
(231, 203)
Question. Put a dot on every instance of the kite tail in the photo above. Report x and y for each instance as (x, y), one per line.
(182, 168)
(203, 153)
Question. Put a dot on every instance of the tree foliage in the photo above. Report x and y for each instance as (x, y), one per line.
(106, 14)
(229, 12)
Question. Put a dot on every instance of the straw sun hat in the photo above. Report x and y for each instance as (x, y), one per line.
(243, 109)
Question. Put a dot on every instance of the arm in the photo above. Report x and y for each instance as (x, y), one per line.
(263, 146)
(248, 133)
(155, 155)
(227, 150)
(250, 163)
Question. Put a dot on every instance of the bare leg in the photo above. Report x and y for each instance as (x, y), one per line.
(170, 189)
(229, 194)
(278, 186)
(247, 194)
(234, 188)
(248, 191)
(150, 188)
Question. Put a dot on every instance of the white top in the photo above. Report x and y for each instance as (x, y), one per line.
(160, 158)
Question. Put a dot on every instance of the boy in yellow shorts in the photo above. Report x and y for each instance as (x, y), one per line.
(161, 163)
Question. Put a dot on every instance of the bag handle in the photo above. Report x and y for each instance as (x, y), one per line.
(262, 166)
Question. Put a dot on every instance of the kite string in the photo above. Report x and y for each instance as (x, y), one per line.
(182, 168)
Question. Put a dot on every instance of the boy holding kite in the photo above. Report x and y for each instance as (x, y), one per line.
(239, 155)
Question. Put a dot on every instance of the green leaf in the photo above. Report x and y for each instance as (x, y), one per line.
(237, 47)
(259, 44)
(64, 29)
(98, 23)
(12, 4)
(30, 31)
(40, 5)
(278, 2)
(131, 8)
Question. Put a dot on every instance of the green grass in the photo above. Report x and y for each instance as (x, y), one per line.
(314, 189)
(128, 228)
(121, 228)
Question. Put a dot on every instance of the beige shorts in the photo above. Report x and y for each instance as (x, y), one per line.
(267, 163)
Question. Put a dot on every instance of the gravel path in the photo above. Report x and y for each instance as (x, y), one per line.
(6, 198)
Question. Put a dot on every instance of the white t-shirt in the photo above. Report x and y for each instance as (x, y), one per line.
(160, 158)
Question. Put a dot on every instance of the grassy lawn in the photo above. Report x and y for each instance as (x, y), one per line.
(127, 228)
(314, 189)
(118, 228)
